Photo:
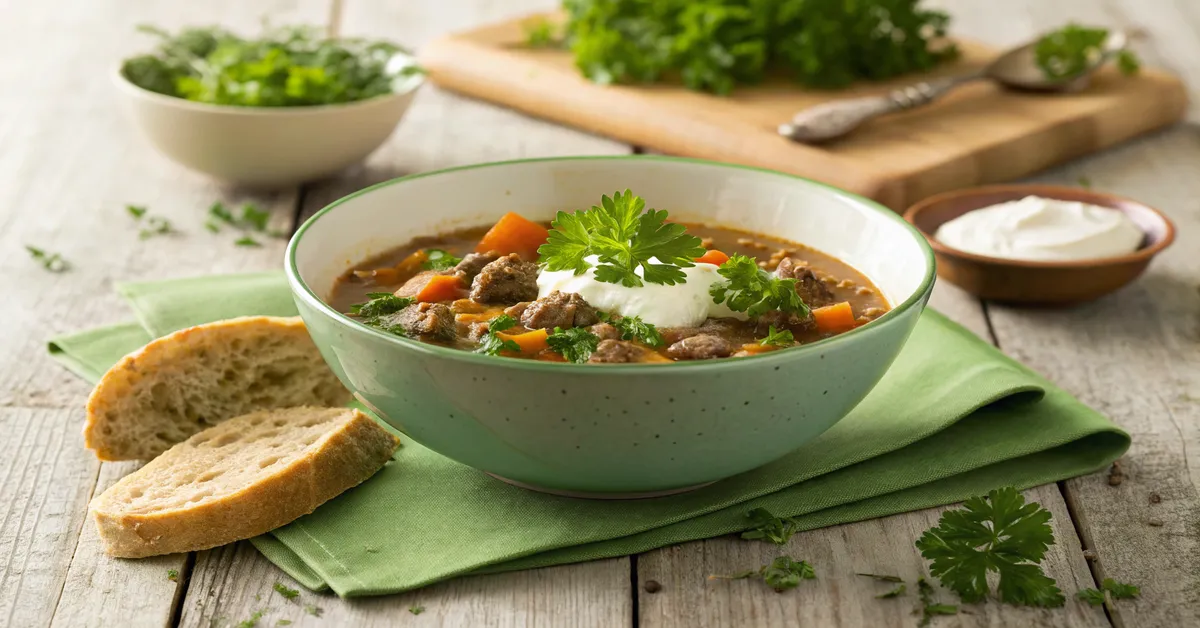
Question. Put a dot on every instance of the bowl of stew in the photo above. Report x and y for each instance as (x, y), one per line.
(609, 326)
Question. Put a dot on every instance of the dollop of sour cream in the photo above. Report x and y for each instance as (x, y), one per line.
(682, 305)
(1042, 229)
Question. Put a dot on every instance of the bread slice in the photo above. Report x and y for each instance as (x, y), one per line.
(244, 477)
(198, 377)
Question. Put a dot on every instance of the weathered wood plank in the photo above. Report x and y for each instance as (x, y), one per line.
(838, 597)
(440, 130)
(71, 162)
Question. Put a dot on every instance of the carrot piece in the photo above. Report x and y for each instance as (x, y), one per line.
(835, 318)
(713, 257)
(514, 233)
(531, 342)
(441, 288)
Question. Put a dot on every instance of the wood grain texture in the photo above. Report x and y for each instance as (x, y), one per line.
(979, 133)
(838, 597)
(70, 163)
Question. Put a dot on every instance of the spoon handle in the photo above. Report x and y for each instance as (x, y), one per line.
(832, 120)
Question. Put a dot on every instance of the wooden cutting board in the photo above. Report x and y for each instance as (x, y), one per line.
(977, 134)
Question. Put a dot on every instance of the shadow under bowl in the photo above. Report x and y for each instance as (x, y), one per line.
(1051, 283)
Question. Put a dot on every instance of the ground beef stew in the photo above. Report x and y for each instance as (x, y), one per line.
(478, 290)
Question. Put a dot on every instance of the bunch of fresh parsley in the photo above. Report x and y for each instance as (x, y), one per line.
(624, 236)
(291, 66)
(750, 289)
(714, 45)
(1071, 50)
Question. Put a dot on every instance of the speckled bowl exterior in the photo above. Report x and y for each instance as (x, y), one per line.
(610, 429)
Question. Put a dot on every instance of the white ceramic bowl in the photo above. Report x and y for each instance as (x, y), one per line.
(610, 430)
(264, 146)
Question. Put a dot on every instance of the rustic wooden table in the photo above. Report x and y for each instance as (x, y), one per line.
(69, 162)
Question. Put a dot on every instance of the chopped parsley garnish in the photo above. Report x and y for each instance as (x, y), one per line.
(283, 622)
(313, 610)
(173, 575)
(253, 621)
(575, 344)
(896, 592)
(491, 343)
(778, 338)
(768, 527)
(154, 225)
(52, 262)
(750, 289)
(437, 259)
(1002, 534)
(375, 313)
(416, 610)
(282, 589)
(137, 211)
(881, 577)
(1071, 50)
(929, 608)
(247, 241)
(1109, 589)
(290, 66)
(634, 328)
(781, 574)
(252, 219)
(624, 238)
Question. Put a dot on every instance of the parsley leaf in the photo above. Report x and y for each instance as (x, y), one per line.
(137, 211)
(155, 225)
(491, 344)
(253, 621)
(634, 328)
(1000, 533)
(52, 262)
(929, 608)
(254, 217)
(881, 577)
(768, 527)
(781, 574)
(778, 338)
(575, 344)
(379, 311)
(416, 610)
(750, 289)
(1070, 50)
(896, 592)
(313, 610)
(625, 239)
(246, 241)
(283, 67)
(282, 589)
(1109, 588)
(437, 259)
(173, 575)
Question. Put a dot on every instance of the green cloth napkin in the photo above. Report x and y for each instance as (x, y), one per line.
(951, 419)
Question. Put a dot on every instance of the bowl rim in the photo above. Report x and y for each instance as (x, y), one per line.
(137, 91)
(1047, 191)
(302, 290)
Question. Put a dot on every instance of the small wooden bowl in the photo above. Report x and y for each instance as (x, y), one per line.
(1043, 283)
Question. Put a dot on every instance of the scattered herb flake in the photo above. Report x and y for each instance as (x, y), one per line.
(284, 622)
(930, 609)
(219, 212)
(416, 610)
(634, 328)
(254, 217)
(137, 211)
(999, 533)
(880, 577)
(1109, 588)
(768, 527)
(437, 259)
(624, 236)
(750, 289)
(52, 262)
(896, 592)
(778, 338)
(1085, 183)
(212, 226)
(253, 621)
(155, 225)
(173, 575)
(282, 589)
(491, 343)
(576, 344)
(313, 610)
(247, 241)
(781, 574)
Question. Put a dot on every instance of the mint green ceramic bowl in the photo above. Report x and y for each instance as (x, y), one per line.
(610, 430)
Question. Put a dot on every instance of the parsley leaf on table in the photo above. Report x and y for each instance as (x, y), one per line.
(492, 344)
(253, 621)
(416, 610)
(624, 238)
(896, 592)
(778, 338)
(881, 577)
(634, 328)
(437, 259)
(1070, 50)
(750, 289)
(313, 610)
(781, 574)
(768, 527)
(1109, 588)
(929, 608)
(1002, 534)
(246, 241)
(576, 344)
(52, 262)
(137, 211)
(173, 575)
(155, 225)
(282, 589)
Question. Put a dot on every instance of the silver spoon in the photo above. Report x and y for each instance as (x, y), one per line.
(1016, 69)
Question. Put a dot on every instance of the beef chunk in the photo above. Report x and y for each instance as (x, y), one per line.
(559, 309)
(604, 331)
(473, 263)
(506, 280)
(434, 320)
(617, 352)
(812, 290)
(701, 347)
(672, 335)
(517, 310)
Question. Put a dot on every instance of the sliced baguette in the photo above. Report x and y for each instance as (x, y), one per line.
(198, 377)
(244, 477)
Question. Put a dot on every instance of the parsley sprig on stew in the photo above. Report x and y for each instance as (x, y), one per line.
(576, 344)
(492, 343)
(750, 289)
(625, 237)
(376, 312)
